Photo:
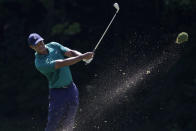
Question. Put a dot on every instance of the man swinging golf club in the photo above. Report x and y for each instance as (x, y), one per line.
(53, 61)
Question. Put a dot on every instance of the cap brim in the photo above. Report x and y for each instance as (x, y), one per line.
(40, 39)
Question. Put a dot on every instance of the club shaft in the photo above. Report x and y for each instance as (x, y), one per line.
(105, 32)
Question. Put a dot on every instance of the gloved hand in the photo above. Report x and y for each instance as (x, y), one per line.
(87, 61)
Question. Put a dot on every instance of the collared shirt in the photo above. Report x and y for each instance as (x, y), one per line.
(57, 78)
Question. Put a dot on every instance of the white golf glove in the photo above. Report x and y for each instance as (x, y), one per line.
(87, 61)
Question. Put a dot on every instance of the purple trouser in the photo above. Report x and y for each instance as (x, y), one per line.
(63, 104)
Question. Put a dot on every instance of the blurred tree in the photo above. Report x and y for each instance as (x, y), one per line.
(66, 29)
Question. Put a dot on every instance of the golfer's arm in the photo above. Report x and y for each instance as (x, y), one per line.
(68, 61)
(72, 53)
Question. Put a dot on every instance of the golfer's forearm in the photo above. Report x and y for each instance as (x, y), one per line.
(72, 53)
(75, 53)
(68, 61)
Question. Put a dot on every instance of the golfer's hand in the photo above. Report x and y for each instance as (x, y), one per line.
(88, 55)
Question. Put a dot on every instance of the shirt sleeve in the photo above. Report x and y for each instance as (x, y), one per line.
(45, 66)
(61, 47)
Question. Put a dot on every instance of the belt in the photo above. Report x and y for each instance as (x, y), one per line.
(67, 86)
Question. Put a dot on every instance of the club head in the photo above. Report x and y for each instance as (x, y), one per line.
(116, 6)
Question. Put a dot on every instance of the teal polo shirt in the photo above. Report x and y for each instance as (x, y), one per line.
(45, 64)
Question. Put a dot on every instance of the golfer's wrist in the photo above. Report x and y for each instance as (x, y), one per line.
(81, 57)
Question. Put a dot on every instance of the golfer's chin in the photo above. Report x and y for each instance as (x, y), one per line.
(42, 51)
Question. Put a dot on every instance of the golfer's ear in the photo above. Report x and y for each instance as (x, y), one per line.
(32, 47)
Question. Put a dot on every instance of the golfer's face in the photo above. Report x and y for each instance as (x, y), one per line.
(40, 47)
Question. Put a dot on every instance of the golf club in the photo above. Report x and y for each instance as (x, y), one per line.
(117, 9)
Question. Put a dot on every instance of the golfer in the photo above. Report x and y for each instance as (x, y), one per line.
(53, 61)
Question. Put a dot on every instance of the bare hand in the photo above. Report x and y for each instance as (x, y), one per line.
(88, 55)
